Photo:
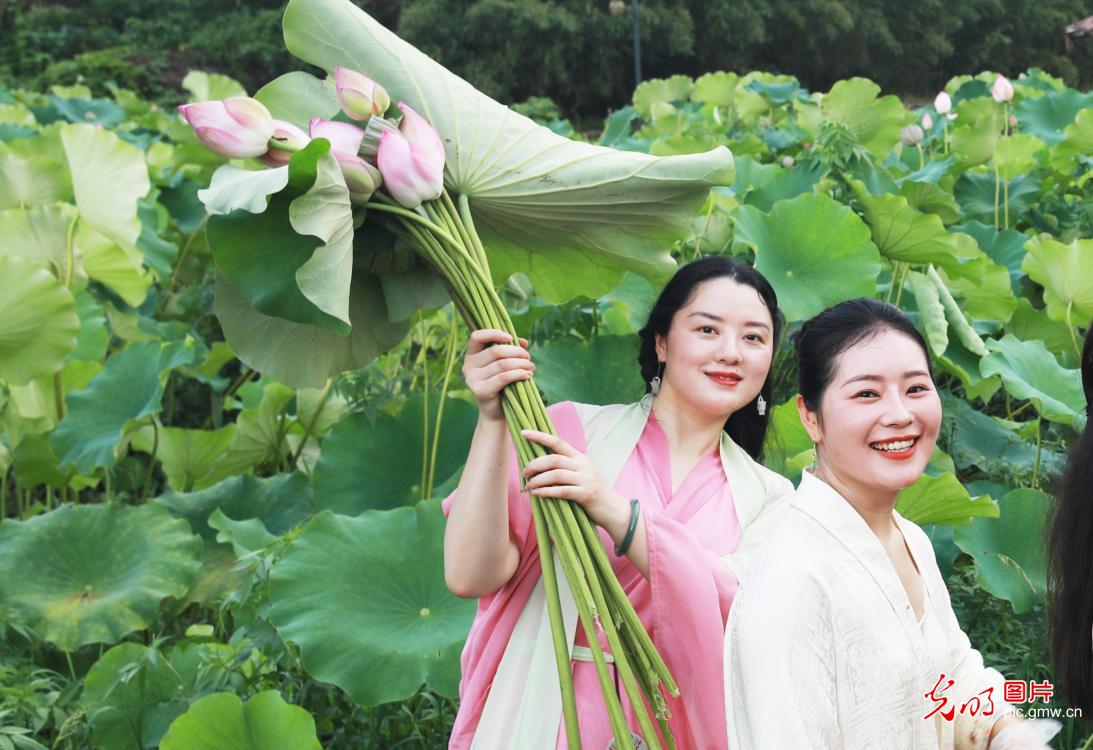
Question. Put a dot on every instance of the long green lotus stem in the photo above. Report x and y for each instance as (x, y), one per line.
(443, 233)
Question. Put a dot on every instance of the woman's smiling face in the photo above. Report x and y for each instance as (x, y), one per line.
(879, 416)
(718, 351)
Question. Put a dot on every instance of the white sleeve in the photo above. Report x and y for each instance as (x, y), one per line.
(781, 684)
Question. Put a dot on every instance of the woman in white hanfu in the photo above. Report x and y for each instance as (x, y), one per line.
(843, 637)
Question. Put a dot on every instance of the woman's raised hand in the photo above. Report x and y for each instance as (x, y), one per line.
(568, 474)
(491, 362)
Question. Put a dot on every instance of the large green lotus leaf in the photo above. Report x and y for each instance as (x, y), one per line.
(931, 312)
(407, 292)
(365, 600)
(1016, 154)
(787, 446)
(975, 193)
(132, 694)
(942, 500)
(186, 456)
(109, 176)
(1029, 371)
(93, 573)
(260, 429)
(930, 198)
(221, 721)
(800, 241)
(1030, 323)
(787, 183)
(94, 336)
(601, 370)
(40, 233)
(906, 235)
(958, 322)
(978, 127)
(38, 321)
(303, 355)
(1010, 560)
(875, 122)
(1004, 246)
(281, 502)
(159, 254)
(234, 188)
(297, 97)
(244, 537)
(964, 365)
(206, 87)
(368, 464)
(129, 387)
(319, 409)
(278, 258)
(661, 91)
(571, 215)
(717, 88)
(32, 181)
(107, 262)
(982, 286)
(1066, 274)
(1077, 142)
(992, 444)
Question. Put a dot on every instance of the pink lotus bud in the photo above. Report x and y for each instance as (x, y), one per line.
(911, 135)
(360, 96)
(238, 127)
(410, 176)
(361, 178)
(423, 139)
(344, 138)
(1002, 90)
(943, 104)
(927, 121)
(787, 161)
(1013, 121)
(288, 134)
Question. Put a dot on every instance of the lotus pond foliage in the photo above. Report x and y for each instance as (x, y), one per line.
(195, 555)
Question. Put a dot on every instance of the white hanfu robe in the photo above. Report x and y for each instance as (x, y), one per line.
(823, 648)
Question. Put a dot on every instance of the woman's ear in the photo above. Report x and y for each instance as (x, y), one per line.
(661, 347)
(810, 420)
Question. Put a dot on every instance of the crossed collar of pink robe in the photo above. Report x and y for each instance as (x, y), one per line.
(684, 604)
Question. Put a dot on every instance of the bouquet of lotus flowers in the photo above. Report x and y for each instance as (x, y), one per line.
(364, 201)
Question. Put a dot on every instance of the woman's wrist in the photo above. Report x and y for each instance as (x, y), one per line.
(618, 518)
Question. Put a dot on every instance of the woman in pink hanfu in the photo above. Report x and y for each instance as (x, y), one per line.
(687, 454)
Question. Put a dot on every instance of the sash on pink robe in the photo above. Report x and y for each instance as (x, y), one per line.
(684, 604)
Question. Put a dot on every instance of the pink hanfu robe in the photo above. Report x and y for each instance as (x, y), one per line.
(684, 603)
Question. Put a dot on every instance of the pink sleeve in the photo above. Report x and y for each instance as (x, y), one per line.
(568, 425)
(692, 591)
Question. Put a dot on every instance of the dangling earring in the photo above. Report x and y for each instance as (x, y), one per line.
(761, 405)
(654, 389)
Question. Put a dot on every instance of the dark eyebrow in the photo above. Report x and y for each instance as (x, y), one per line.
(719, 319)
(906, 375)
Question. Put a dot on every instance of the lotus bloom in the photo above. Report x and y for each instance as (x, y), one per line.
(344, 138)
(412, 160)
(927, 121)
(361, 178)
(287, 134)
(360, 96)
(238, 127)
(1002, 90)
(911, 135)
(943, 105)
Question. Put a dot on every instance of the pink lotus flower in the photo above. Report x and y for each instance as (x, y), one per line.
(238, 127)
(927, 121)
(344, 138)
(361, 178)
(1002, 90)
(943, 104)
(360, 96)
(412, 160)
(283, 133)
